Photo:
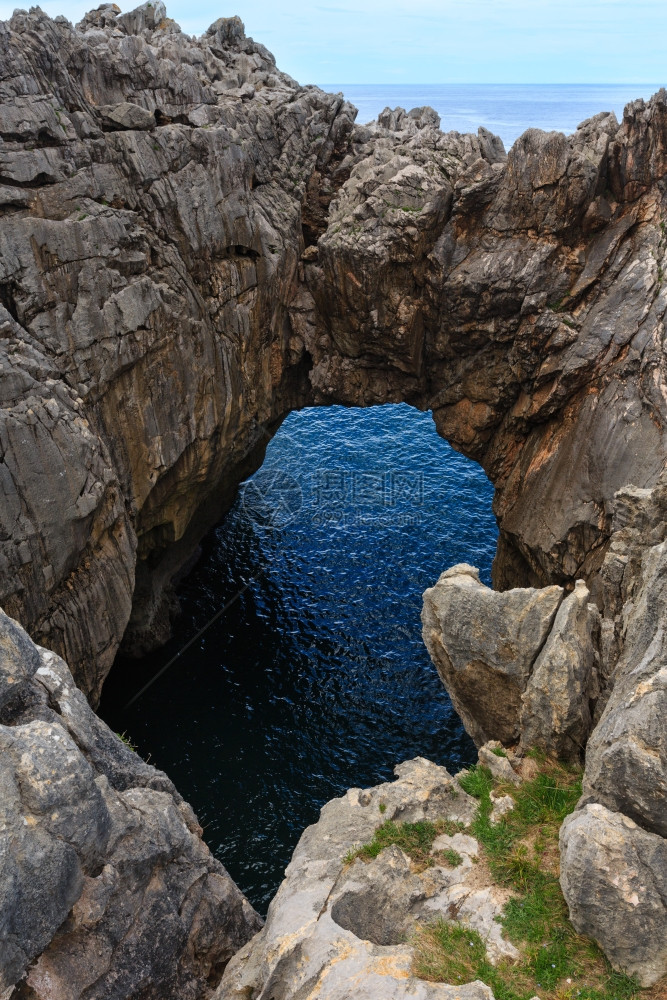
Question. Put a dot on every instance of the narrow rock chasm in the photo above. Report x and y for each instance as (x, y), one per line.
(315, 678)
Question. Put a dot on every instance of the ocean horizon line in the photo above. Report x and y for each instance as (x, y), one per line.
(380, 83)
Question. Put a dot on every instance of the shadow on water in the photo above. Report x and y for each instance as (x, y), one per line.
(316, 678)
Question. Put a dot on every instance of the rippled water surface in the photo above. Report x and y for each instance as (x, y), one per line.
(315, 678)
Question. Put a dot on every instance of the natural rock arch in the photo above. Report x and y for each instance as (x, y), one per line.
(162, 312)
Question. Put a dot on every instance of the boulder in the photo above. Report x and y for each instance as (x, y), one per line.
(614, 879)
(484, 645)
(520, 665)
(494, 757)
(106, 887)
(19, 660)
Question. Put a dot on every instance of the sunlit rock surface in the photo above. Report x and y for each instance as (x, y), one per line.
(336, 929)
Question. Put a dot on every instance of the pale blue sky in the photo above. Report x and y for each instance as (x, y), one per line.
(441, 41)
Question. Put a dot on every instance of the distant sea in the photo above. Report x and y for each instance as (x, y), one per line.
(507, 110)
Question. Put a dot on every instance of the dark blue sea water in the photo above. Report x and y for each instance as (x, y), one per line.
(315, 679)
(505, 109)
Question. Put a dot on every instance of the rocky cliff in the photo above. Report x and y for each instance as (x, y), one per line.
(541, 669)
(106, 887)
(192, 245)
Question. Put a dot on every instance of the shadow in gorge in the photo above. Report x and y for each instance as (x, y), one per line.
(315, 678)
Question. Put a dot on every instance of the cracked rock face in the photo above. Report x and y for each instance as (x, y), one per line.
(614, 876)
(521, 665)
(106, 887)
(192, 245)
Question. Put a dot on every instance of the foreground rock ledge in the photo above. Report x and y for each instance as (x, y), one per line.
(334, 931)
(107, 890)
(192, 245)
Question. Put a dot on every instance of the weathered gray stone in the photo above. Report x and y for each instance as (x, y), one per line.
(564, 682)
(518, 665)
(614, 878)
(126, 115)
(502, 805)
(106, 888)
(459, 842)
(485, 644)
(499, 766)
(625, 781)
(159, 316)
(626, 757)
(19, 659)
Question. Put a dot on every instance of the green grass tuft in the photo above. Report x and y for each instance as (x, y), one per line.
(124, 738)
(416, 839)
(452, 857)
(478, 781)
(522, 853)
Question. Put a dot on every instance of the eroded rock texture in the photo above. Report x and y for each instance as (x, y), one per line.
(191, 245)
(106, 887)
(622, 813)
(614, 876)
(521, 665)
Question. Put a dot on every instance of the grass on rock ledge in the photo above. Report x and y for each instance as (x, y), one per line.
(416, 839)
(522, 855)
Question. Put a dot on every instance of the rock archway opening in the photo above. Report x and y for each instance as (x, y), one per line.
(315, 677)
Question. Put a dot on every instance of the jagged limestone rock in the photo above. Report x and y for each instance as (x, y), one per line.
(613, 851)
(126, 115)
(106, 887)
(159, 316)
(626, 756)
(498, 762)
(564, 682)
(520, 666)
(336, 928)
(484, 644)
